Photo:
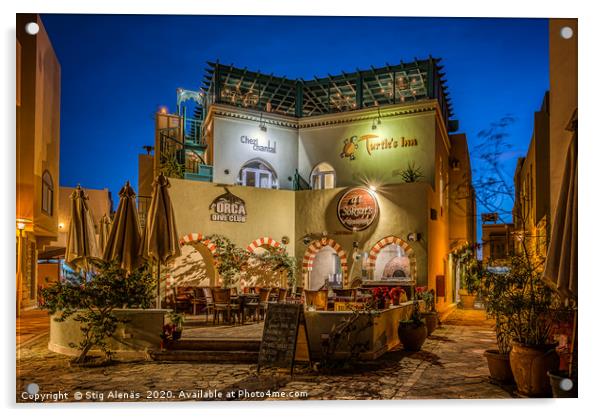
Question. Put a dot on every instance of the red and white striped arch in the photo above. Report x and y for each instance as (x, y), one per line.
(263, 242)
(315, 246)
(389, 241)
(191, 238)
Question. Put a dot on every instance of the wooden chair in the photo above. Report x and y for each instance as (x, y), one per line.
(221, 299)
(209, 303)
(318, 299)
(183, 296)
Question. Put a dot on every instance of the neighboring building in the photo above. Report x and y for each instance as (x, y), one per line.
(537, 176)
(498, 241)
(319, 168)
(51, 266)
(38, 139)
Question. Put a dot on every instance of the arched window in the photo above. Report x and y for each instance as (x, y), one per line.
(323, 177)
(47, 193)
(257, 173)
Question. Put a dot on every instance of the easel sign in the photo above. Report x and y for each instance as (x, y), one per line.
(281, 345)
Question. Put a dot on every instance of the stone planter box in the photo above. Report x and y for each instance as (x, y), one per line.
(380, 337)
(141, 333)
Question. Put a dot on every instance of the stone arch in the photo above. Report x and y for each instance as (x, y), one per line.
(263, 242)
(388, 241)
(199, 238)
(314, 247)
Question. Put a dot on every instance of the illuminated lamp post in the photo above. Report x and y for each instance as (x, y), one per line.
(21, 224)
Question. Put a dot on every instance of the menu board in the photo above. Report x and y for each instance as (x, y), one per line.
(280, 335)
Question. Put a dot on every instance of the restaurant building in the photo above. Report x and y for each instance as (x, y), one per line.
(361, 176)
(37, 152)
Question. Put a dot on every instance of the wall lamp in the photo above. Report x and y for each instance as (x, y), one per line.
(376, 121)
(262, 125)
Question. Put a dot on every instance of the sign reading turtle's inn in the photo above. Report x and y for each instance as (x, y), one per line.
(357, 209)
(228, 208)
(270, 147)
(374, 143)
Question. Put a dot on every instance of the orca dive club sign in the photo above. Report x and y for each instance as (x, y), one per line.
(357, 209)
(228, 208)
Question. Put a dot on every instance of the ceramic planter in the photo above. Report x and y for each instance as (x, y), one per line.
(432, 321)
(467, 300)
(499, 366)
(530, 366)
(411, 336)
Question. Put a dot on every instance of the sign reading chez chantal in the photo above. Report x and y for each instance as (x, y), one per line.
(228, 208)
(357, 209)
(374, 143)
(254, 142)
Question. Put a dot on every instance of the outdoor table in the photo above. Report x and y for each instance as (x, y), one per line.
(242, 300)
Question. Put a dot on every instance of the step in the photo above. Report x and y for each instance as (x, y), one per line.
(221, 345)
(206, 356)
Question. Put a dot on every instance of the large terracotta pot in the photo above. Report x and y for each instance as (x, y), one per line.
(412, 337)
(530, 366)
(467, 300)
(499, 366)
(432, 321)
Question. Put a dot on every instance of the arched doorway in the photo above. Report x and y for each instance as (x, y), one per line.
(326, 269)
(258, 173)
(195, 267)
(325, 260)
(323, 176)
(392, 258)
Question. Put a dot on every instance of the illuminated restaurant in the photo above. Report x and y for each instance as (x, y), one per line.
(361, 176)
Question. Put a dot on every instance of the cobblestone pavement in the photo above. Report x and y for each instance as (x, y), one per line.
(450, 365)
(31, 325)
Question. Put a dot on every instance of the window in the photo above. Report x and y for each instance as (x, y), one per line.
(258, 174)
(323, 177)
(47, 193)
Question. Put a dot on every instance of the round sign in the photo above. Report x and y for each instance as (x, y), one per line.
(357, 209)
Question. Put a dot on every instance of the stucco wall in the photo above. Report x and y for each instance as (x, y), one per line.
(230, 154)
(326, 143)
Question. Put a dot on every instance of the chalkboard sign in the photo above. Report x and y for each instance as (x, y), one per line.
(280, 335)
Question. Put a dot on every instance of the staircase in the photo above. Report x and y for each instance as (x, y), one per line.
(210, 351)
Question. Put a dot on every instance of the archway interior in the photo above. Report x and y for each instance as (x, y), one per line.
(193, 268)
(257, 274)
(392, 263)
(326, 269)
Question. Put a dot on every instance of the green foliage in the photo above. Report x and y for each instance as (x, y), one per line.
(176, 319)
(92, 303)
(411, 173)
(470, 269)
(523, 303)
(415, 320)
(231, 260)
(280, 261)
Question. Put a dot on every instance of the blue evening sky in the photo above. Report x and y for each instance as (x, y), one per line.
(118, 69)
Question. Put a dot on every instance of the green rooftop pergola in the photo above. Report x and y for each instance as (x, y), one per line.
(374, 87)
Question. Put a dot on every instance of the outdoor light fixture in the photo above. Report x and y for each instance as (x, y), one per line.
(372, 187)
(61, 225)
(20, 225)
(262, 125)
(414, 237)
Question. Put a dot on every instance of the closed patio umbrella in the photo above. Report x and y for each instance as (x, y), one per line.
(561, 261)
(81, 239)
(123, 244)
(160, 237)
(105, 230)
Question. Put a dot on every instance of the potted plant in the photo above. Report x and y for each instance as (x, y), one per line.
(469, 277)
(496, 290)
(380, 295)
(412, 333)
(177, 320)
(532, 309)
(397, 295)
(430, 316)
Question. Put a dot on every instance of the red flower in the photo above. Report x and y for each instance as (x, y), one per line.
(420, 290)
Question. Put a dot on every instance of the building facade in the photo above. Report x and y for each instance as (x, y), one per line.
(359, 176)
(37, 146)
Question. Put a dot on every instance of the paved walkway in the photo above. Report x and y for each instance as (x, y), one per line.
(32, 324)
(450, 365)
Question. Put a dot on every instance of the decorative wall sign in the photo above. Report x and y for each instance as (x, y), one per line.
(357, 209)
(270, 147)
(228, 208)
(374, 143)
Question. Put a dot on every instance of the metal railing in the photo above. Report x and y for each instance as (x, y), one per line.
(299, 183)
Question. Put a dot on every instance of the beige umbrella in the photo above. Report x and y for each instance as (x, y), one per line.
(81, 238)
(160, 240)
(105, 229)
(561, 261)
(123, 244)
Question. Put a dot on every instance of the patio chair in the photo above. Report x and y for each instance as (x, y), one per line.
(318, 299)
(259, 306)
(222, 303)
(183, 299)
(209, 304)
